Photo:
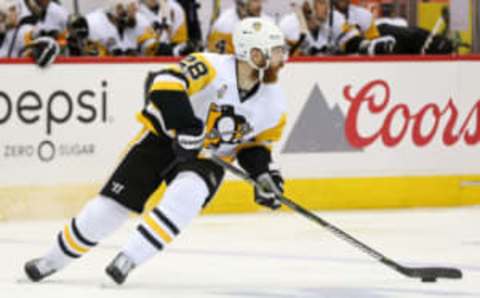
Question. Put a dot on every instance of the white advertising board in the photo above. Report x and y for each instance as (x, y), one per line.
(69, 124)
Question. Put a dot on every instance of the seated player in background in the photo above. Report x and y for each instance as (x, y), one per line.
(24, 33)
(167, 19)
(386, 15)
(312, 29)
(231, 104)
(220, 37)
(14, 35)
(362, 19)
(50, 18)
(359, 17)
(194, 27)
(118, 29)
(412, 39)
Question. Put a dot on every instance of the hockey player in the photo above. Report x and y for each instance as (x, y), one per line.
(312, 29)
(230, 104)
(168, 20)
(362, 19)
(17, 36)
(220, 38)
(358, 17)
(118, 29)
(412, 39)
(49, 18)
(13, 35)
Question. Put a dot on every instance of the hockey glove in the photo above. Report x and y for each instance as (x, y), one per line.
(269, 186)
(381, 45)
(44, 50)
(188, 143)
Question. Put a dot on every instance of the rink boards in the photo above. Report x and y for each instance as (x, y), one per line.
(361, 133)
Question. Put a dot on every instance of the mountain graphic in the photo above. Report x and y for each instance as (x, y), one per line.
(318, 128)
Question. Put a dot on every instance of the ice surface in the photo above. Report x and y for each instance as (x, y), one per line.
(267, 255)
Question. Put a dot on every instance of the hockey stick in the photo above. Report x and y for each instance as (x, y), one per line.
(330, 43)
(216, 10)
(435, 31)
(303, 27)
(76, 8)
(426, 274)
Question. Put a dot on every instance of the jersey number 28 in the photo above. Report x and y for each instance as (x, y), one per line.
(194, 67)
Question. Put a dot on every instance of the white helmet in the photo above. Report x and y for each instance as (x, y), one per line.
(256, 33)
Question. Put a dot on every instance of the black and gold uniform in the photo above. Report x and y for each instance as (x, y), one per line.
(200, 88)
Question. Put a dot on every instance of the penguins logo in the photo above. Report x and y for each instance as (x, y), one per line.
(224, 126)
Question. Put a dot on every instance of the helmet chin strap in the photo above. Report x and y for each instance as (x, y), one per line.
(261, 70)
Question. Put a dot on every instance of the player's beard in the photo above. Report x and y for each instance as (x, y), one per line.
(270, 74)
(125, 21)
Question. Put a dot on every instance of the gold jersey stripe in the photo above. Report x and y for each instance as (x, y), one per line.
(372, 31)
(181, 35)
(144, 120)
(273, 134)
(140, 135)
(216, 37)
(251, 145)
(149, 33)
(167, 86)
(157, 229)
(71, 242)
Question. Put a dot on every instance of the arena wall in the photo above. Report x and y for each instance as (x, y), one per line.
(391, 132)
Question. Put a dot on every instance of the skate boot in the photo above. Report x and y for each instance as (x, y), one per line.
(119, 268)
(38, 269)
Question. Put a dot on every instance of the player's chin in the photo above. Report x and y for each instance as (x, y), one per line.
(271, 74)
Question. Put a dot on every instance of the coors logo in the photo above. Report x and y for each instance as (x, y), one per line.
(422, 124)
(321, 128)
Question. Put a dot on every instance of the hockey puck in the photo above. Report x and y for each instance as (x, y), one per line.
(429, 279)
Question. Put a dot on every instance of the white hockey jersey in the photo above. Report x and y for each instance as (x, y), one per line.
(363, 20)
(337, 36)
(220, 39)
(175, 18)
(231, 124)
(12, 46)
(55, 19)
(107, 37)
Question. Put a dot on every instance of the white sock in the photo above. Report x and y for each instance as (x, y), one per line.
(97, 220)
(181, 202)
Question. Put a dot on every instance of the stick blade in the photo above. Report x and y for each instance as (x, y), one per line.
(433, 273)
